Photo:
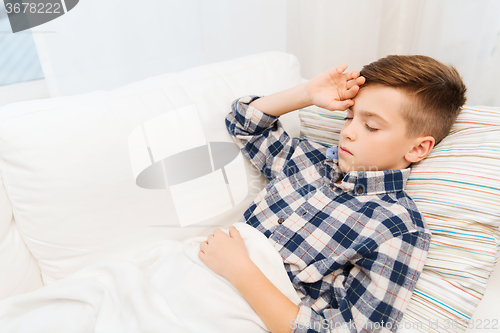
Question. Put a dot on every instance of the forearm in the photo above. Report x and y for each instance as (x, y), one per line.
(270, 304)
(284, 101)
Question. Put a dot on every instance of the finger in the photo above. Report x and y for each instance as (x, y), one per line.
(210, 237)
(355, 82)
(233, 232)
(352, 75)
(341, 68)
(351, 93)
(203, 247)
(217, 232)
(347, 104)
(351, 84)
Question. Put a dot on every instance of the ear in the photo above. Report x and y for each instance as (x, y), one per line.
(423, 146)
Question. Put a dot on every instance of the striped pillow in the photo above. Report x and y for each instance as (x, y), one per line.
(457, 189)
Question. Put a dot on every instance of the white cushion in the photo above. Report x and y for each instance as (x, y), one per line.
(18, 268)
(70, 164)
(456, 188)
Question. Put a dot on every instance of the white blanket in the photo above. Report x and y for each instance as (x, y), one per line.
(162, 288)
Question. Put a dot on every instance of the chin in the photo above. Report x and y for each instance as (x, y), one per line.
(343, 168)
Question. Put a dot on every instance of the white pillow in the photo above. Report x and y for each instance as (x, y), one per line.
(70, 164)
(19, 270)
(456, 188)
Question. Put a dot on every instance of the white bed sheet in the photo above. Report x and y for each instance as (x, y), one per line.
(163, 287)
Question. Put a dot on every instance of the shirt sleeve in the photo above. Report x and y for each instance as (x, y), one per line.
(261, 137)
(373, 296)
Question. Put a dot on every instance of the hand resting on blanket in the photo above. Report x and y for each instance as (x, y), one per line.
(164, 286)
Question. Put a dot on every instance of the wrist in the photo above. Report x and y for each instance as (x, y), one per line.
(303, 95)
(238, 274)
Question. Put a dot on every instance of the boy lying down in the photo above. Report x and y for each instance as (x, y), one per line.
(352, 241)
(332, 244)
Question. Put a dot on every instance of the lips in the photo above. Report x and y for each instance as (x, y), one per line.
(345, 151)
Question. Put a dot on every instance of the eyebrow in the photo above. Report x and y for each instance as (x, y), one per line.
(370, 114)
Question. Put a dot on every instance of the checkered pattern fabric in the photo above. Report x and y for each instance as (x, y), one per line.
(353, 251)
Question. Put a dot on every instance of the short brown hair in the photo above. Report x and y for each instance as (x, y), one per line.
(436, 91)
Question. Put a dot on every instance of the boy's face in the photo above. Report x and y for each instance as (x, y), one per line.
(373, 137)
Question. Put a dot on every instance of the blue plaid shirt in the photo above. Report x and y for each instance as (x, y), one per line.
(353, 251)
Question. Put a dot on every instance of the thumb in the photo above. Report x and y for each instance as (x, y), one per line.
(233, 232)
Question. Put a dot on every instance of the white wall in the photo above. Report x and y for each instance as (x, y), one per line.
(463, 33)
(106, 44)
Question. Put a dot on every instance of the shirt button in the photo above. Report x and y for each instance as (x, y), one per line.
(281, 221)
(359, 190)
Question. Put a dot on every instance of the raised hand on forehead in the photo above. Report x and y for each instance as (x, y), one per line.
(334, 89)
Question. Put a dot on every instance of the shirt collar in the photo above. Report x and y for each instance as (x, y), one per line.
(364, 182)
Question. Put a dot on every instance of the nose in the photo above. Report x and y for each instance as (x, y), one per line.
(347, 131)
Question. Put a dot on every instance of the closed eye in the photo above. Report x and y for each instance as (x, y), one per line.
(371, 129)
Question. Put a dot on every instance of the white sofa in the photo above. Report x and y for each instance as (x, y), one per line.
(83, 179)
